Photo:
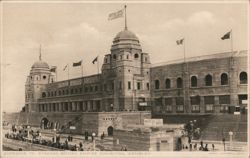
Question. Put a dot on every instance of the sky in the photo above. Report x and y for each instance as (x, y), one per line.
(70, 32)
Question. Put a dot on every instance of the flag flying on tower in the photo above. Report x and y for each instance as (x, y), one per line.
(226, 36)
(95, 60)
(53, 69)
(77, 63)
(65, 67)
(116, 15)
(178, 42)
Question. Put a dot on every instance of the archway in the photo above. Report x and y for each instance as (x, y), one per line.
(44, 123)
(110, 131)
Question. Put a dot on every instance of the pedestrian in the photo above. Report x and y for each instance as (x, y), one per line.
(80, 144)
(183, 146)
(190, 146)
(125, 148)
(213, 146)
(92, 137)
(201, 144)
(195, 146)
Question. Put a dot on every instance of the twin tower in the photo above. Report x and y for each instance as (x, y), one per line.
(124, 82)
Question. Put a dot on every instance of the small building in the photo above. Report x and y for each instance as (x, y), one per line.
(146, 138)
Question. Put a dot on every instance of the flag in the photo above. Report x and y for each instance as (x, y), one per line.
(179, 42)
(226, 36)
(65, 67)
(77, 63)
(116, 15)
(95, 60)
(53, 69)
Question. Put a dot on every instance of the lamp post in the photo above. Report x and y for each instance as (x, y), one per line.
(93, 135)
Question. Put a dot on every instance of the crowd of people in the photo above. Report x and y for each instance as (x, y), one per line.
(198, 147)
(35, 137)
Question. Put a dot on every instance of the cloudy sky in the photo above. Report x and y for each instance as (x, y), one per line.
(69, 32)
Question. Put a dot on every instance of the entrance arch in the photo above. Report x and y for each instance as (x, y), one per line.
(44, 123)
(110, 131)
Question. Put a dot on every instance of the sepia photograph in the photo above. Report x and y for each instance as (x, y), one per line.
(124, 78)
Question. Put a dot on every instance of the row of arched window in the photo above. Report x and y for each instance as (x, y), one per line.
(224, 80)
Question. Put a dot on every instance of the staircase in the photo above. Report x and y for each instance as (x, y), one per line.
(219, 126)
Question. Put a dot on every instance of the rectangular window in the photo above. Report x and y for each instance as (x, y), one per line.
(179, 108)
(112, 85)
(169, 108)
(168, 101)
(179, 101)
(158, 101)
(120, 85)
(138, 85)
(147, 86)
(105, 87)
(224, 99)
(209, 107)
(195, 100)
(195, 108)
(96, 88)
(129, 85)
(209, 99)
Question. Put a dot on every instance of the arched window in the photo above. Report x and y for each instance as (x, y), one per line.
(157, 84)
(224, 79)
(136, 55)
(179, 82)
(193, 81)
(167, 83)
(208, 80)
(44, 77)
(243, 78)
(43, 94)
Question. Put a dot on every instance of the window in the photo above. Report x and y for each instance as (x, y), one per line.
(96, 88)
(209, 107)
(72, 91)
(179, 82)
(43, 94)
(168, 101)
(106, 60)
(59, 92)
(179, 101)
(105, 87)
(224, 99)
(44, 77)
(121, 56)
(209, 99)
(157, 84)
(167, 83)
(179, 108)
(146, 59)
(195, 108)
(127, 56)
(90, 88)
(114, 56)
(168, 108)
(112, 85)
(136, 55)
(138, 85)
(86, 89)
(129, 85)
(195, 100)
(147, 86)
(193, 81)
(208, 80)
(243, 78)
(224, 79)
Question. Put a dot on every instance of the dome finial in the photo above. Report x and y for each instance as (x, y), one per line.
(40, 53)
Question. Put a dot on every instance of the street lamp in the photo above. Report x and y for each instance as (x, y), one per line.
(93, 135)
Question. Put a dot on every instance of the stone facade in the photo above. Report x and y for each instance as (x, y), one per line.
(129, 84)
(208, 84)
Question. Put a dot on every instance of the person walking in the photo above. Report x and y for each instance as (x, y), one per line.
(213, 146)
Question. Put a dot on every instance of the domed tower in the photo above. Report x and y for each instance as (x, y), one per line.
(39, 76)
(129, 69)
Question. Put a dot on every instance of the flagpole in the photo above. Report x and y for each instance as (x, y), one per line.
(97, 64)
(68, 71)
(125, 17)
(231, 40)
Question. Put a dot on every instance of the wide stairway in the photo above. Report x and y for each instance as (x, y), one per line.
(219, 126)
